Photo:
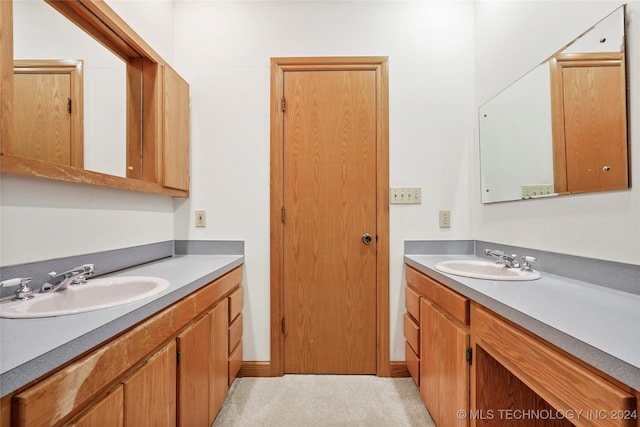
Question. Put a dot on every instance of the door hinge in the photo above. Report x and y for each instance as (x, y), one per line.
(469, 355)
(282, 214)
(283, 104)
(177, 357)
(69, 105)
(283, 326)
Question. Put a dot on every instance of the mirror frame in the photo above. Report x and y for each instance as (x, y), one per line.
(144, 113)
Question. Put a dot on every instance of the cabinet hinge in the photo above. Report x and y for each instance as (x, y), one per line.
(283, 104)
(469, 355)
(282, 215)
(283, 326)
(177, 357)
(69, 105)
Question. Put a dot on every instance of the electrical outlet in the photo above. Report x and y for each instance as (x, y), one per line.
(201, 219)
(405, 195)
(445, 219)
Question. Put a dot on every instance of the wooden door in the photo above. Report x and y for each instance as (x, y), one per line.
(49, 111)
(42, 119)
(444, 370)
(329, 204)
(590, 122)
(193, 375)
(150, 393)
(218, 357)
(107, 412)
(595, 128)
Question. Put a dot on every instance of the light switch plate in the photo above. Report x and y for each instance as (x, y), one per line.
(405, 195)
(201, 218)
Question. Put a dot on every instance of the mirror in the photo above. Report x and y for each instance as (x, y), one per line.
(81, 124)
(153, 89)
(561, 128)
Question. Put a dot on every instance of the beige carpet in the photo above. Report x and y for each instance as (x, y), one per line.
(323, 400)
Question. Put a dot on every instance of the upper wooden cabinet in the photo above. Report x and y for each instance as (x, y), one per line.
(157, 109)
(175, 130)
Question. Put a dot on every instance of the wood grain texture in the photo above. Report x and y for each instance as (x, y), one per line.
(278, 68)
(99, 20)
(109, 411)
(38, 168)
(235, 362)
(558, 380)
(412, 333)
(412, 303)
(150, 393)
(502, 400)
(218, 357)
(330, 201)
(175, 130)
(44, 128)
(55, 398)
(236, 302)
(413, 363)
(193, 375)
(444, 371)
(453, 303)
(589, 110)
(6, 77)
(255, 369)
(398, 369)
(235, 333)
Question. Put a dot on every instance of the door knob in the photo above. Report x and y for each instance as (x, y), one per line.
(366, 238)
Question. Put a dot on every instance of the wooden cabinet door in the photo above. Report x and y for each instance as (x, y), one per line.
(193, 375)
(150, 393)
(175, 130)
(218, 358)
(444, 370)
(107, 412)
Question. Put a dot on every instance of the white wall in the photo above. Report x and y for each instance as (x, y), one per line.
(223, 50)
(42, 219)
(517, 36)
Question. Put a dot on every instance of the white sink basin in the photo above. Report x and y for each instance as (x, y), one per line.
(96, 294)
(487, 270)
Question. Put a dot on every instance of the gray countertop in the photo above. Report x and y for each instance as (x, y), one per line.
(32, 347)
(599, 325)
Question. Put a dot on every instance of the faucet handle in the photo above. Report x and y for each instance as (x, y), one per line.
(526, 262)
(24, 292)
(14, 282)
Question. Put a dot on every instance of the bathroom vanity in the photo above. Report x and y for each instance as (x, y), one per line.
(489, 353)
(164, 361)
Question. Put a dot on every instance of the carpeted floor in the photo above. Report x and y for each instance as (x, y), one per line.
(323, 400)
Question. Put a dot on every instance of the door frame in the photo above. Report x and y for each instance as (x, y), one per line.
(279, 66)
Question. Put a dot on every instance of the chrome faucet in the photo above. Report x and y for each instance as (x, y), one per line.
(508, 260)
(24, 292)
(75, 276)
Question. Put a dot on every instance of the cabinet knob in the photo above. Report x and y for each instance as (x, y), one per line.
(606, 168)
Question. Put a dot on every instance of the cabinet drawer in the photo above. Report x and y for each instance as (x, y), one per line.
(235, 362)
(413, 363)
(236, 301)
(563, 383)
(412, 333)
(235, 333)
(449, 301)
(412, 302)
